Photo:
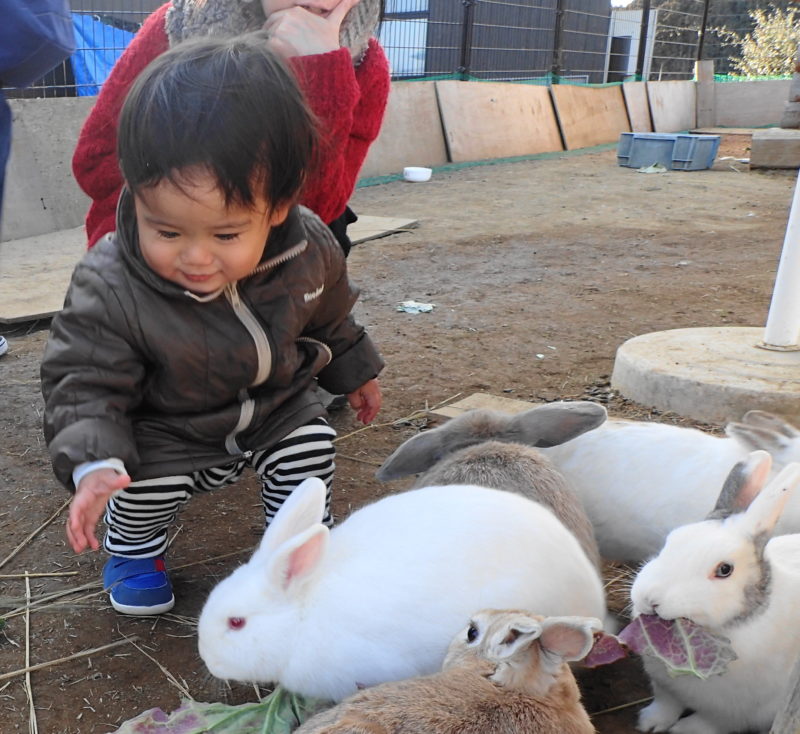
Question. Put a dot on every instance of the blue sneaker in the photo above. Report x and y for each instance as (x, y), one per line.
(138, 586)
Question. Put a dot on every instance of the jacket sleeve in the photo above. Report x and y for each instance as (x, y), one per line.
(354, 357)
(91, 379)
(349, 103)
(94, 162)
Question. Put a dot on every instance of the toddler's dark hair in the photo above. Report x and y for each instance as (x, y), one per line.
(229, 106)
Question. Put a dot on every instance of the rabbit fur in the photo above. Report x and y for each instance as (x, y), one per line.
(380, 596)
(639, 480)
(491, 449)
(504, 673)
(725, 574)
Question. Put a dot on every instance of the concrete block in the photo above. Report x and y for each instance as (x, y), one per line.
(775, 148)
(41, 194)
(750, 104)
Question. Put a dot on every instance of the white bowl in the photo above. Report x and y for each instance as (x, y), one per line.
(416, 173)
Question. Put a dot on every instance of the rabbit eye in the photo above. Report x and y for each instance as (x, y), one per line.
(472, 633)
(723, 570)
(236, 623)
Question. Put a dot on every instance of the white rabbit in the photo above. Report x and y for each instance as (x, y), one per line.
(723, 574)
(382, 595)
(639, 480)
(492, 449)
(505, 673)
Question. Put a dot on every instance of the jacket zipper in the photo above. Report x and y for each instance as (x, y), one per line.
(248, 406)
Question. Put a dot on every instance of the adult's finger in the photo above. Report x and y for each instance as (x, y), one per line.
(343, 8)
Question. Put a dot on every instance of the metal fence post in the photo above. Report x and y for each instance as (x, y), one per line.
(558, 33)
(466, 37)
(643, 28)
(702, 36)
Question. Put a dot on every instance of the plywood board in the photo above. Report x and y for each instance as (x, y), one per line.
(481, 400)
(35, 273)
(485, 120)
(673, 105)
(635, 94)
(370, 228)
(411, 133)
(590, 115)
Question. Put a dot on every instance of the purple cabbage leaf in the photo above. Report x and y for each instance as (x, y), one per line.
(683, 646)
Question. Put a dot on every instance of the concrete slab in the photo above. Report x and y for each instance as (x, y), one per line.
(713, 374)
(775, 147)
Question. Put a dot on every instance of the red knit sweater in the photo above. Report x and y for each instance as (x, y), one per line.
(348, 101)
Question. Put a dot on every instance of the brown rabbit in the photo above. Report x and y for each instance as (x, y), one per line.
(505, 673)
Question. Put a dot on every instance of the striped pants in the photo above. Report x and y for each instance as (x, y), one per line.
(138, 517)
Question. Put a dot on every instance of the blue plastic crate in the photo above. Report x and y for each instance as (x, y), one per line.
(674, 151)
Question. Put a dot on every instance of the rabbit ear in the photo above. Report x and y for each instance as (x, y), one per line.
(302, 509)
(567, 638)
(294, 562)
(770, 420)
(554, 423)
(514, 635)
(416, 455)
(759, 435)
(744, 482)
(766, 508)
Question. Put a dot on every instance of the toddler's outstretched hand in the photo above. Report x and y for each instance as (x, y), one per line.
(298, 31)
(91, 498)
(366, 401)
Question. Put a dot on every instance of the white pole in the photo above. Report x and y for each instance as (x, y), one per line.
(783, 322)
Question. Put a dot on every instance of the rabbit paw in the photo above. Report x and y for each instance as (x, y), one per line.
(659, 715)
(694, 724)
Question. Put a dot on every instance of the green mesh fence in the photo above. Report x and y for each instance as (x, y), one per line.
(543, 81)
(375, 180)
(732, 78)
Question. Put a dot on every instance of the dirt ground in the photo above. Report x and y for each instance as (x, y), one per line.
(538, 271)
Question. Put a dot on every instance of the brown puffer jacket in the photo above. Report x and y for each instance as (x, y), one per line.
(138, 369)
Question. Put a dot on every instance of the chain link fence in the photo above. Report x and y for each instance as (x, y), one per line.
(540, 41)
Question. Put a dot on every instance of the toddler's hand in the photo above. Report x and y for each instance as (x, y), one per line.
(366, 401)
(91, 498)
(297, 31)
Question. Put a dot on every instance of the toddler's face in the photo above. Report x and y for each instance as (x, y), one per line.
(188, 236)
(318, 7)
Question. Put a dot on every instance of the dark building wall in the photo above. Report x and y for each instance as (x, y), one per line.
(515, 40)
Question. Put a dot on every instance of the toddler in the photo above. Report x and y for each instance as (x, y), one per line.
(191, 337)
